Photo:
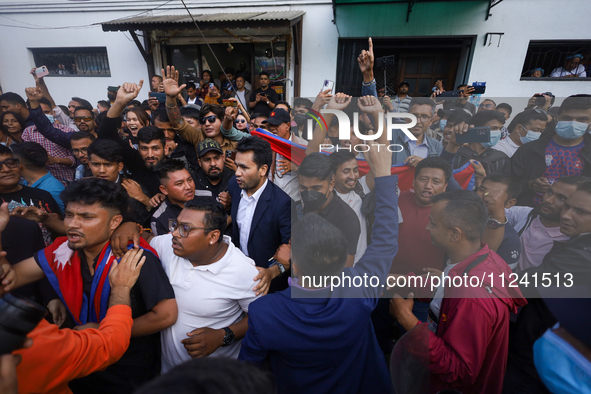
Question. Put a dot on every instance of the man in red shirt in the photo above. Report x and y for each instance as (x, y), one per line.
(469, 334)
(415, 251)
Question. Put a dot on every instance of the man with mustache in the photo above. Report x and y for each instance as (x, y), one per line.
(212, 177)
(539, 227)
(151, 147)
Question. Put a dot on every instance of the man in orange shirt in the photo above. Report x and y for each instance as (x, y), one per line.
(59, 356)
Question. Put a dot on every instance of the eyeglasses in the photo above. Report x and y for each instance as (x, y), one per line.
(422, 118)
(485, 106)
(81, 150)
(10, 163)
(82, 118)
(211, 119)
(184, 229)
(240, 120)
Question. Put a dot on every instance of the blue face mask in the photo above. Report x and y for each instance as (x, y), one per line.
(442, 123)
(495, 136)
(529, 136)
(50, 117)
(562, 369)
(571, 130)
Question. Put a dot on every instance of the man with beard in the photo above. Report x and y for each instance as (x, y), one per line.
(540, 227)
(212, 177)
(151, 145)
(260, 213)
(210, 118)
(82, 260)
(400, 102)
(178, 187)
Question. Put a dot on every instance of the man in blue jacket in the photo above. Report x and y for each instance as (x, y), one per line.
(319, 337)
(261, 213)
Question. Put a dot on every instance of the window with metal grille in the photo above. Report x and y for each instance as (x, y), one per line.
(73, 62)
(555, 60)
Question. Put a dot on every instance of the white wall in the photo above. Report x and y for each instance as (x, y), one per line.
(522, 21)
(126, 63)
(125, 60)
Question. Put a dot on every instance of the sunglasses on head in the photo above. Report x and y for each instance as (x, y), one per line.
(210, 119)
(82, 118)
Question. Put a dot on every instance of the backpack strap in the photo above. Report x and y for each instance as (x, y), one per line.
(474, 264)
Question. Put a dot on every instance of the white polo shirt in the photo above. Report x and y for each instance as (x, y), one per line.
(215, 296)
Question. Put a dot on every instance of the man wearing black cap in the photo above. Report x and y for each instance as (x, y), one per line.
(283, 171)
(212, 177)
(400, 102)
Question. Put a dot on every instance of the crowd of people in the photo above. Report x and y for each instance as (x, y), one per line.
(172, 242)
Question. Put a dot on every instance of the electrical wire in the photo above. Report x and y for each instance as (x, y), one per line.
(211, 49)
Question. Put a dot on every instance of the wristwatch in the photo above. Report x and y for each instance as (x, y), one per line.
(267, 102)
(494, 223)
(273, 262)
(229, 337)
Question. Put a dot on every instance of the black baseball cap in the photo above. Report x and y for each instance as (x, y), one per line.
(404, 83)
(277, 117)
(208, 145)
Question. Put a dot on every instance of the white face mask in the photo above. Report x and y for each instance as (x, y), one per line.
(530, 136)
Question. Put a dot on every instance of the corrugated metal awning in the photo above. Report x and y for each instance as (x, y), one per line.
(206, 21)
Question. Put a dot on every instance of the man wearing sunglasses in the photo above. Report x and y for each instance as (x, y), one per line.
(210, 118)
(84, 119)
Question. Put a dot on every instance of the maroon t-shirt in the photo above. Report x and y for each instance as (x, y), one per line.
(415, 250)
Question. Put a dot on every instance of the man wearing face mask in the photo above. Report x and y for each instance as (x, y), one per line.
(317, 191)
(300, 111)
(492, 160)
(564, 151)
(527, 126)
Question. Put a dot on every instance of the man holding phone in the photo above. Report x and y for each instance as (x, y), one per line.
(263, 99)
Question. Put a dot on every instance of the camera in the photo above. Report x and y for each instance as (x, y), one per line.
(540, 100)
(18, 317)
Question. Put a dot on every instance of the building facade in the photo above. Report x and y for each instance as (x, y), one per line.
(90, 45)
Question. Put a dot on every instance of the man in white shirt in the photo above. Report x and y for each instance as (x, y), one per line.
(538, 228)
(527, 126)
(572, 68)
(351, 188)
(261, 213)
(212, 281)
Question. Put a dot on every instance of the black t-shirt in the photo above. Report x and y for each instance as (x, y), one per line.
(262, 107)
(132, 159)
(21, 239)
(28, 197)
(141, 361)
(159, 222)
(340, 215)
(203, 184)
